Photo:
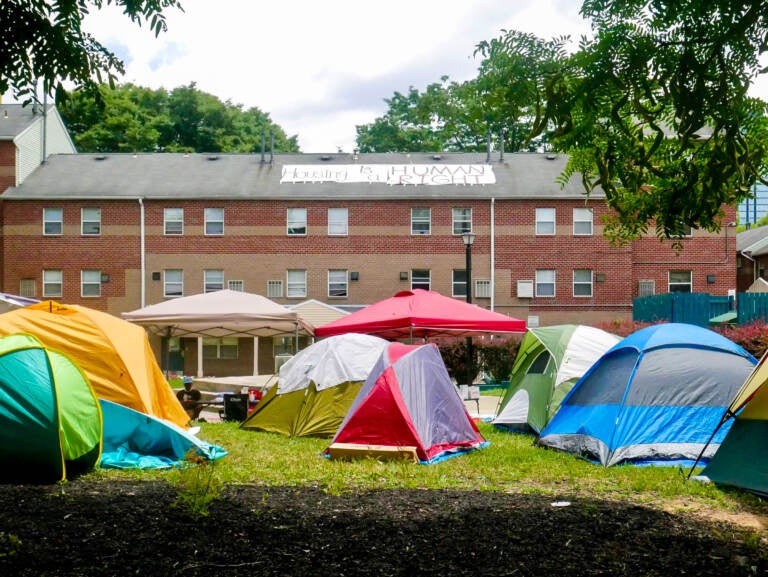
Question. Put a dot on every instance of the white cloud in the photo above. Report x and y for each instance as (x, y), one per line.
(319, 68)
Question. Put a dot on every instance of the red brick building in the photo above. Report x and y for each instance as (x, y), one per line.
(119, 231)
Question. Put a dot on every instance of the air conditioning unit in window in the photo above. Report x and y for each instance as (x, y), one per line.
(525, 289)
(280, 360)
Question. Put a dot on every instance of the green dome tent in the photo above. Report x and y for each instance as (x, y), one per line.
(50, 419)
(549, 362)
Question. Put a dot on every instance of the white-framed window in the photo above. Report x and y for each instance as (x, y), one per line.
(213, 280)
(173, 283)
(420, 279)
(338, 283)
(338, 221)
(53, 221)
(483, 288)
(646, 288)
(462, 220)
(214, 221)
(545, 221)
(583, 221)
(297, 222)
(582, 283)
(28, 287)
(173, 221)
(421, 221)
(90, 283)
(680, 281)
(222, 348)
(90, 221)
(53, 283)
(274, 289)
(545, 283)
(236, 285)
(459, 283)
(296, 284)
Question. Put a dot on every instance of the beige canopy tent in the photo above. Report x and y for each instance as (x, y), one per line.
(224, 313)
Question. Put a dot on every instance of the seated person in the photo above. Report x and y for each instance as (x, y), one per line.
(190, 399)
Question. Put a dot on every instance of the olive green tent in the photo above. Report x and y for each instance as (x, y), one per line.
(316, 387)
(549, 362)
(50, 419)
(742, 458)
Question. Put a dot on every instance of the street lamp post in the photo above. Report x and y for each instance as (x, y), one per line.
(469, 238)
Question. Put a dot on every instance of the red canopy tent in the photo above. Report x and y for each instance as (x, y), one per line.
(421, 313)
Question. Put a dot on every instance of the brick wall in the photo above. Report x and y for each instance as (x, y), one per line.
(256, 249)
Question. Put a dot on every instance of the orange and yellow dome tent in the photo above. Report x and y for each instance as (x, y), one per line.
(113, 353)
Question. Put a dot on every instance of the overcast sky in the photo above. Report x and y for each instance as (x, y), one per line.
(321, 68)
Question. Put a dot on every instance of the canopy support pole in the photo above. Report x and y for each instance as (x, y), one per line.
(255, 355)
(200, 357)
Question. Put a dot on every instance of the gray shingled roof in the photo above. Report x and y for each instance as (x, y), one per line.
(753, 240)
(15, 118)
(239, 176)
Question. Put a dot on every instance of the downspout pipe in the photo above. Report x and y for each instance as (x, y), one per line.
(493, 253)
(142, 251)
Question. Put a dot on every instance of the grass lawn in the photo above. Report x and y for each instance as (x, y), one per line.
(509, 464)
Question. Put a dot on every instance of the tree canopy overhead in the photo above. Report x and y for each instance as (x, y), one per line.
(43, 41)
(654, 110)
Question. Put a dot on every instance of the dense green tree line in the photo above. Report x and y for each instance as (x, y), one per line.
(129, 118)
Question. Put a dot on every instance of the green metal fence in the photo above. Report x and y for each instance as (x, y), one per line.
(692, 308)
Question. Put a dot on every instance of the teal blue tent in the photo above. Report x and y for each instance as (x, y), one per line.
(134, 440)
(50, 419)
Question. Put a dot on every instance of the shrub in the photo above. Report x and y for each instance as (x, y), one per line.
(494, 357)
(753, 337)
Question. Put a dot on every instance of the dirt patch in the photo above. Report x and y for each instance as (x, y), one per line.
(133, 528)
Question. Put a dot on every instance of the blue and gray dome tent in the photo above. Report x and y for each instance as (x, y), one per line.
(655, 398)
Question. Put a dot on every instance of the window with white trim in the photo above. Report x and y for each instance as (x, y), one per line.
(90, 221)
(462, 220)
(582, 283)
(545, 221)
(421, 221)
(338, 222)
(296, 285)
(53, 221)
(680, 281)
(90, 283)
(52, 283)
(583, 221)
(28, 287)
(459, 283)
(420, 279)
(337, 283)
(173, 283)
(274, 289)
(545, 283)
(646, 288)
(173, 221)
(221, 348)
(236, 285)
(213, 280)
(297, 221)
(214, 221)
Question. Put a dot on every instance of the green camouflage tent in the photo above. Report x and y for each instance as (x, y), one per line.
(549, 362)
(50, 419)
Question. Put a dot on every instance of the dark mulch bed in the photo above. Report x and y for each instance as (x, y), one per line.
(89, 528)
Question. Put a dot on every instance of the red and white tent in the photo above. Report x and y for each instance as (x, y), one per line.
(421, 313)
(409, 401)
